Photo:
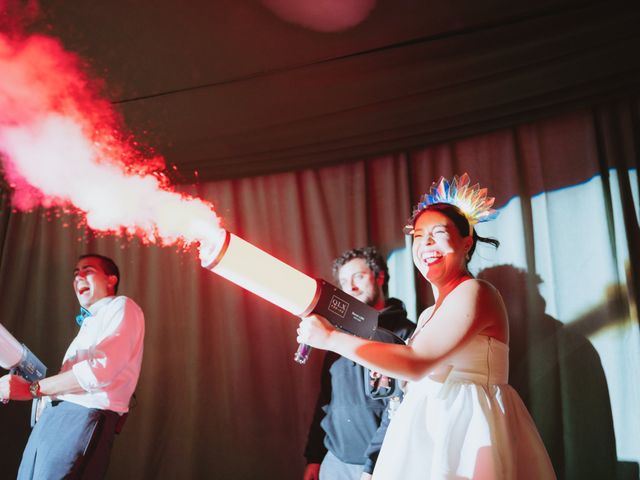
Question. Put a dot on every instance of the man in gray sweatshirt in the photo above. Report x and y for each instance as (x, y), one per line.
(351, 414)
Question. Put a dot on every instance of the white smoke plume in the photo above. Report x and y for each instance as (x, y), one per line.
(61, 144)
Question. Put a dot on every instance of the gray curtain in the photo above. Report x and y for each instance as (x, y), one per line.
(220, 396)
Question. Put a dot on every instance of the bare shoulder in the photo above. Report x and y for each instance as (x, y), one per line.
(487, 302)
(475, 288)
(478, 296)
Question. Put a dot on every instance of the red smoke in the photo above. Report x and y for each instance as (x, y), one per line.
(62, 144)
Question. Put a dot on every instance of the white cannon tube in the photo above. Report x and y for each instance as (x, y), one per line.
(11, 350)
(255, 270)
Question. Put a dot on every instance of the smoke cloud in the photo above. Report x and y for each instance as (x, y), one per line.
(62, 144)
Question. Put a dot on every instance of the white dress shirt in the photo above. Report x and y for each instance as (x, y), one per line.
(106, 355)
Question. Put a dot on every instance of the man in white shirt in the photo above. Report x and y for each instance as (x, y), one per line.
(91, 394)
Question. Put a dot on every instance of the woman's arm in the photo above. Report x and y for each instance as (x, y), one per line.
(468, 310)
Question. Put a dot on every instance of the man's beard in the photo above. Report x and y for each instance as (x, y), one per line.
(372, 298)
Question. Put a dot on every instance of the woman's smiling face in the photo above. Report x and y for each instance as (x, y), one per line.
(439, 250)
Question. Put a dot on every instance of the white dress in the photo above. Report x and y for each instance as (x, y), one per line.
(463, 421)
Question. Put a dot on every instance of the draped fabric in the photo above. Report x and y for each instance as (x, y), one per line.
(220, 396)
(226, 89)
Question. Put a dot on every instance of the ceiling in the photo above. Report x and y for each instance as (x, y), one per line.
(233, 88)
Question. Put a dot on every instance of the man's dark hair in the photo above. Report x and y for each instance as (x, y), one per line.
(108, 266)
(375, 261)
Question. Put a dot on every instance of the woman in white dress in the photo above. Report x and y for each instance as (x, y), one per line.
(459, 419)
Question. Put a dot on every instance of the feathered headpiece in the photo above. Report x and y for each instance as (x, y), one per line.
(471, 200)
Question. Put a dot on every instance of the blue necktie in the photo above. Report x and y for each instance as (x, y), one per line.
(84, 313)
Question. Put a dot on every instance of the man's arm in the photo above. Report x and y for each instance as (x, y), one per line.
(59, 384)
(14, 387)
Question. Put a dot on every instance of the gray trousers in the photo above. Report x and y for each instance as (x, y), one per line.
(332, 468)
(69, 441)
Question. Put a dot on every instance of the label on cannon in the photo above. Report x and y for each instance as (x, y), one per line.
(30, 367)
(345, 311)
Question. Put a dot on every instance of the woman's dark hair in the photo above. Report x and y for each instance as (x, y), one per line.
(459, 220)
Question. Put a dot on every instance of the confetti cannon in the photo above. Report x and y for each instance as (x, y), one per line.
(264, 275)
(18, 359)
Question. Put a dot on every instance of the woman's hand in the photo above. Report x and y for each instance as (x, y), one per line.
(315, 331)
